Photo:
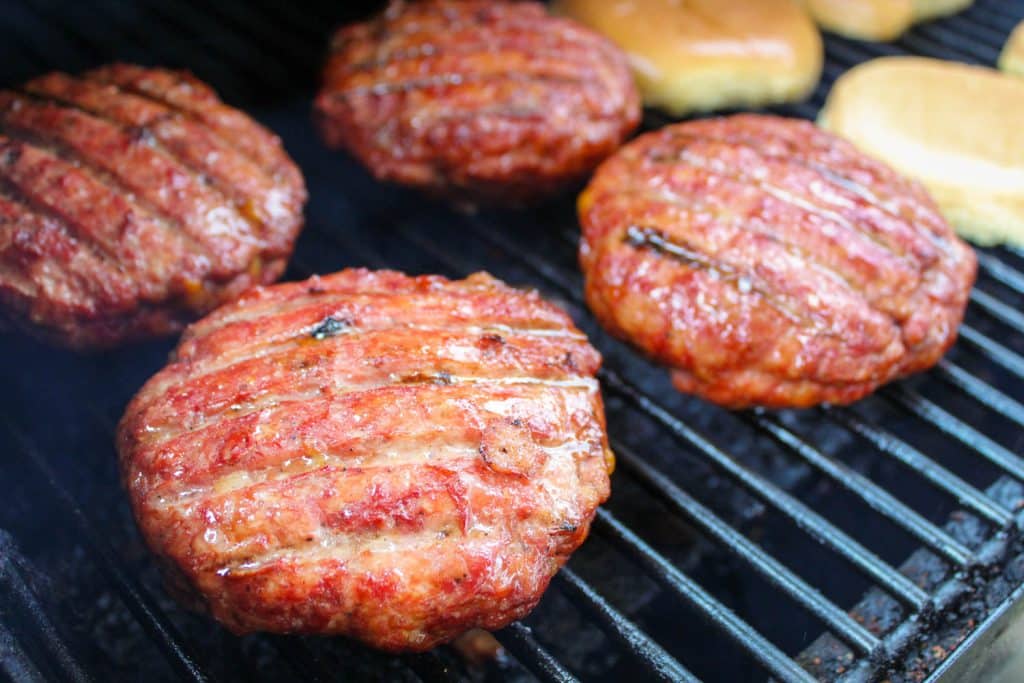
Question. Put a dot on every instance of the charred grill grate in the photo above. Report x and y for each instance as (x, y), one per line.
(840, 543)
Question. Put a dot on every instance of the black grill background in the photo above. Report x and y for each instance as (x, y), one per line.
(732, 542)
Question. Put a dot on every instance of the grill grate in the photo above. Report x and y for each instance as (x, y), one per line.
(747, 495)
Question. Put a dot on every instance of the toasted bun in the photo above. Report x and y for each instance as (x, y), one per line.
(1012, 58)
(707, 54)
(954, 127)
(879, 20)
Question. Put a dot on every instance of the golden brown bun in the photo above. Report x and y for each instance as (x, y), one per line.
(708, 54)
(1012, 58)
(879, 20)
(954, 127)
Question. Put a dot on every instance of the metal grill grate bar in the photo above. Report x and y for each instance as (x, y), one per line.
(967, 495)
(518, 639)
(1001, 272)
(763, 563)
(134, 596)
(660, 663)
(518, 636)
(921, 407)
(694, 594)
(19, 598)
(998, 353)
(998, 310)
(874, 496)
(811, 522)
(983, 393)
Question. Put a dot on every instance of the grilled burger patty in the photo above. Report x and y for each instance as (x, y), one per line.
(492, 101)
(396, 459)
(132, 200)
(770, 263)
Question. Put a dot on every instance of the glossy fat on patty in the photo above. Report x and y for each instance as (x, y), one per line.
(132, 201)
(768, 262)
(476, 101)
(396, 459)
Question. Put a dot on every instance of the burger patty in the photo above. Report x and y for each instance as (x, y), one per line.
(770, 263)
(473, 100)
(396, 459)
(132, 200)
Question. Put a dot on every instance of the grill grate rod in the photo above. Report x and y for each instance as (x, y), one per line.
(984, 393)
(134, 596)
(883, 441)
(518, 639)
(981, 444)
(763, 563)
(1001, 272)
(998, 310)
(994, 13)
(998, 353)
(660, 663)
(19, 598)
(810, 521)
(14, 661)
(874, 496)
(694, 594)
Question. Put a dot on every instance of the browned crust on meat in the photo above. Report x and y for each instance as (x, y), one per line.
(490, 101)
(770, 263)
(131, 201)
(397, 459)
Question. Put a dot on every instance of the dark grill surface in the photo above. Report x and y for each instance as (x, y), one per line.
(852, 544)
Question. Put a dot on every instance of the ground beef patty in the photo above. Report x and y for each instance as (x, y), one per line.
(396, 459)
(132, 201)
(770, 263)
(488, 101)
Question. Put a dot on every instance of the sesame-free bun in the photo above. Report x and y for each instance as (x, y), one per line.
(705, 55)
(956, 128)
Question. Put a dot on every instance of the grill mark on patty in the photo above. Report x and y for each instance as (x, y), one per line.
(228, 481)
(341, 389)
(103, 247)
(506, 42)
(781, 194)
(793, 248)
(255, 312)
(111, 184)
(206, 176)
(838, 183)
(653, 239)
(445, 79)
(822, 143)
(771, 295)
(288, 341)
(170, 463)
(204, 110)
(326, 547)
(143, 138)
(98, 277)
(189, 228)
(337, 532)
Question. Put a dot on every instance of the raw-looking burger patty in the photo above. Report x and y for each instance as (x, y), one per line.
(396, 459)
(770, 263)
(132, 200)
(489, 101)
